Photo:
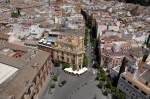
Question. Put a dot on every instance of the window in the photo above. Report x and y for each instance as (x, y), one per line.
(146, 83)
(143, 92)
(133, 94)
(129, 82)
(121, 84)
(67, 59)
(73, 61)
(136, 87)
(73, 56)
(62, 58)
(123, 78)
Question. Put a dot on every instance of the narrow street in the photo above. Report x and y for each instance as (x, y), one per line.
(89, 52)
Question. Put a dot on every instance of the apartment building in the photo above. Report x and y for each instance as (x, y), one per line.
(68, 49)
(114, 47)
(135, 88)
(135, 81)
(24, 71)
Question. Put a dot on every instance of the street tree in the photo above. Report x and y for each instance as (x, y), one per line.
(85, 61)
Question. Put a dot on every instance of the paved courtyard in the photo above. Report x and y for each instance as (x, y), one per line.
(82, 87)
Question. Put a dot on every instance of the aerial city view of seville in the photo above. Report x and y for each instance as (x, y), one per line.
(74, 49)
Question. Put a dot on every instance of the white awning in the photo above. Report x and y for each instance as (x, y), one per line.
(80, 71)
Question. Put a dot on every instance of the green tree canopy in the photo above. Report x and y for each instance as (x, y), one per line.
(85, 61)
(66, 65)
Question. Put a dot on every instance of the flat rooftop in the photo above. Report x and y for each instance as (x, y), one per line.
(6, 72)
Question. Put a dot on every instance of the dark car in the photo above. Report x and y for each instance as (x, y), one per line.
(105, 92)
(62, 83)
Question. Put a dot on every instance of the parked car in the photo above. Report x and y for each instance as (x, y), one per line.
(105, 92)
(62, 83)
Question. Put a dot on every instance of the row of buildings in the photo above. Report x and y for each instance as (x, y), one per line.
(57, 28)
(43, 32)
(121, 30)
